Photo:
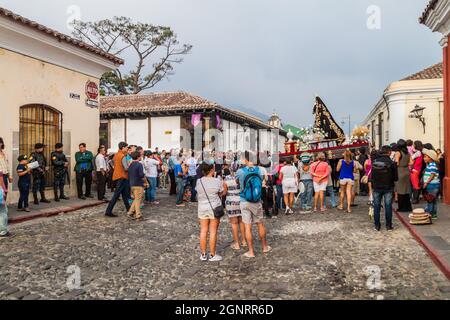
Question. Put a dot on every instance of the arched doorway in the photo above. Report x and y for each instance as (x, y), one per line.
(40, 124)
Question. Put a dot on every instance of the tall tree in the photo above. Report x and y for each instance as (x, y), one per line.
(155, 45)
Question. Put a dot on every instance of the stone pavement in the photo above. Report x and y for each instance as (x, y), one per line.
(436, 237)
(49, 209)
(316, 256)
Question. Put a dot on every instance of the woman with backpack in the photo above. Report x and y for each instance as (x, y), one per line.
(209, 191)
(346, 168)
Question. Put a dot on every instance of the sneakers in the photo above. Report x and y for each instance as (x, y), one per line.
(215, 258)
(203, 257)
(7, 235)
(390, 228)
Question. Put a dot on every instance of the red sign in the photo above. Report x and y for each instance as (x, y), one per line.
(92, 90)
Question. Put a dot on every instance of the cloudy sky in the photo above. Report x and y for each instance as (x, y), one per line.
(276, 54)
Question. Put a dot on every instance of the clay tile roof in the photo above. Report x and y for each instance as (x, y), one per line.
(154, 102)
(60, 36)
(168, 102)
(433, 72)
(431, 5)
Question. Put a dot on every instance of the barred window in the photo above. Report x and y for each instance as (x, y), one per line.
(40, 124)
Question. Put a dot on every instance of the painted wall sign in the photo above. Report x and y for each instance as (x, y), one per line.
(75, 96)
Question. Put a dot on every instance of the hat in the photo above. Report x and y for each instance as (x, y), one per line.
(39, 146)
(59, 146)
(431, 153)
(22, 157)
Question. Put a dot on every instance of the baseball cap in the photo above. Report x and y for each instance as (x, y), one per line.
(39, 146)
(59, 146)
(22, 157)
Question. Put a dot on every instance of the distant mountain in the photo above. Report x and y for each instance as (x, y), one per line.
(250, 111)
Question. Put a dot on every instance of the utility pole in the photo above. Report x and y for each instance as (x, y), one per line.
(349, 121)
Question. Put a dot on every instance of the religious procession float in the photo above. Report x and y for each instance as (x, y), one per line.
(324, 136)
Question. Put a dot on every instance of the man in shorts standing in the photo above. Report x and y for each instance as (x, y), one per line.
(252, 212)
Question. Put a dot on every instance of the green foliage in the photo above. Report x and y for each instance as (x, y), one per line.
(156, 46)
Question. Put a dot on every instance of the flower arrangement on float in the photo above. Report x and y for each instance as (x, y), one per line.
(311, 134)
(360, 134)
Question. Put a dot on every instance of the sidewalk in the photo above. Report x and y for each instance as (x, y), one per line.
(434, 238)
(44, 210)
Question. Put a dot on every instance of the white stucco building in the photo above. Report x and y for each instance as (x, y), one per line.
(393, 118)
(175, 120)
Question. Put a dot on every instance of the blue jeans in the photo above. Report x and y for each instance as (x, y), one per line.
(192, 180)
(150, 193)
(180, 189)
(307, 196)
(330, 190)
(122, 189)
(279, 197)
(431, 207)
(388, 199)
(3, 220)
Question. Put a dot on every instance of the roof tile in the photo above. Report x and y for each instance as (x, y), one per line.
(60, 36)
(433, 72)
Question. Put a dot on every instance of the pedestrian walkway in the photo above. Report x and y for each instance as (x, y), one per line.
(49, 209)
(434, 238)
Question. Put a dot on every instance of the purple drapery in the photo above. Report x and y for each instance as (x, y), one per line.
(196, 119)
(218, 122)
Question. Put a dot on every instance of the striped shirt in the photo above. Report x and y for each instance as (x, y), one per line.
(4, 168)
(429, 170)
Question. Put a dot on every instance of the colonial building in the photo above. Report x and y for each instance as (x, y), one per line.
(411, 108)
(437, 17)
(175, 120)
(48, 88)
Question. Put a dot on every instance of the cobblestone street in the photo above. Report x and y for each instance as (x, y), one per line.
(315, 256)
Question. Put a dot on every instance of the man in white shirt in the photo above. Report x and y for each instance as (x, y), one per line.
(102, 170)
(151, 172)
(192, 164)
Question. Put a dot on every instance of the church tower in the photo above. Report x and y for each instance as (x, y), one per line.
(275, 121)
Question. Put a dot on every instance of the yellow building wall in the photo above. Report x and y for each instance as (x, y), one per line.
(25, 80)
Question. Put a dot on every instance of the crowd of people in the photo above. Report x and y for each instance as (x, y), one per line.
(240, 187)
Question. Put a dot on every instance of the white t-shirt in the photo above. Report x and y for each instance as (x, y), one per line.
(289, 172)
(213, 186)
(100, 163)
(151, 167)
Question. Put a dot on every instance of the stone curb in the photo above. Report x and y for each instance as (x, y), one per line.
(53, 212)
(437, 259)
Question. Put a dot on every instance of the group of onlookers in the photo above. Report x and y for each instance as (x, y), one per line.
(238, 194)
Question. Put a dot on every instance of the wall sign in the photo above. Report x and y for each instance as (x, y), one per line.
(92, 94)
(75, 96)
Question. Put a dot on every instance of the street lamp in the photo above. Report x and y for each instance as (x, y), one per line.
(417, 113)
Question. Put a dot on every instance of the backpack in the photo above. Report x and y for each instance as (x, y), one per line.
(382, 173)
(252, 188)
